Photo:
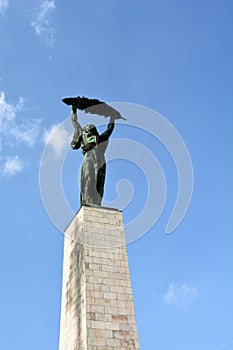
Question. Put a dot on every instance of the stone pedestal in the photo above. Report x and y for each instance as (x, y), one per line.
(97, 310)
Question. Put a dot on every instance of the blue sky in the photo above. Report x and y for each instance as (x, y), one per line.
(174, 57)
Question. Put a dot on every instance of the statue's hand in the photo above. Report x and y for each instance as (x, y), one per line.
(74, 108)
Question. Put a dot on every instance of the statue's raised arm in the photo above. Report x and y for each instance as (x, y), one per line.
(108, 132)
(76, 141)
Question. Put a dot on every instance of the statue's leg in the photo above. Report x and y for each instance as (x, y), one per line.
(100, 182)
(89, 180)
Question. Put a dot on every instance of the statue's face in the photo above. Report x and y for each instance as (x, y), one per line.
(90, 130)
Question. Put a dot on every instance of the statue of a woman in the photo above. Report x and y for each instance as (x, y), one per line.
(93, 147)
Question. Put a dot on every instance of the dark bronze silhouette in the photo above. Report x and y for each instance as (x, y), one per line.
(93, 146)
(92, 106)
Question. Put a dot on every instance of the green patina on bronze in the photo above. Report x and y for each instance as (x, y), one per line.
(93, 146)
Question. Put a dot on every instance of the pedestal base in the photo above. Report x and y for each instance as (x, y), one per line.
(97, 310)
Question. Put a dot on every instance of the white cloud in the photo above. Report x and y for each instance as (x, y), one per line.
(58, 138)
(26, 132)
(12, 166)
(180, 295)
(41, 22)
(15, 132)
(7, 111)
(12, 129)
(3, 6)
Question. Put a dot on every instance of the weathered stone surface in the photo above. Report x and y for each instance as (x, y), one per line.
(97, 310)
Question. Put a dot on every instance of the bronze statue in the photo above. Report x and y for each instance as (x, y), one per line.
(93, 146)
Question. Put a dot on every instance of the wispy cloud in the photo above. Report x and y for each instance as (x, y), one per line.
(3, 6)
(11, 166)
(224, 346)
(26, 132)
(15, 131)
(7, 111)
(41, 22)
(180, 295)
(58, 138)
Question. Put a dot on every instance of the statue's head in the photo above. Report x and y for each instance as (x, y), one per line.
(90, 130)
